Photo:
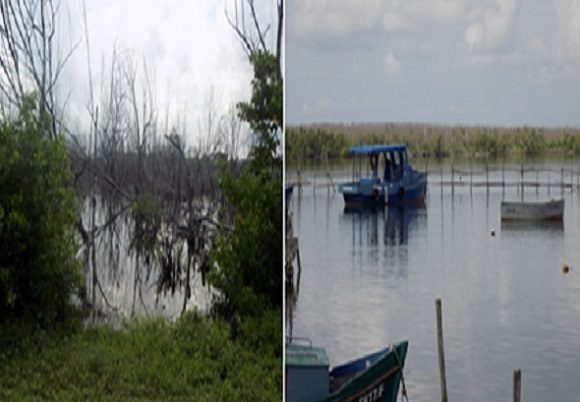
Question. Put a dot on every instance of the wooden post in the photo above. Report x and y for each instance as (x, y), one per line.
(471, 177)
(517, 385)
(314, 184)
(441, 351)
(503, 177)
(486, 177)
(452, 180)
(331, 182)
(441, 176)
(522, 181)
(562, 182)
(297, 290)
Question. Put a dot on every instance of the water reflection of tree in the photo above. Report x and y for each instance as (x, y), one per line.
(292, 276)
(143, 190)
(291, 300)
(164, 225)
(138, 177)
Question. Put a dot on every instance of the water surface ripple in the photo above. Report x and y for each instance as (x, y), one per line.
(370, 279)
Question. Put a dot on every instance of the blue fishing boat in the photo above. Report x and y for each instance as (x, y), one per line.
(375, 377)
(392, 180)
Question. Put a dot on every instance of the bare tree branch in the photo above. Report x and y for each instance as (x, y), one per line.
(28, 60)
(248, 45)
(279, 37)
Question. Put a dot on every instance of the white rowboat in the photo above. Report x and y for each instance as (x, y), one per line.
(552, 210)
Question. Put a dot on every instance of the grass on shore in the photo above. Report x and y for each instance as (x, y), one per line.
(319, 142)
(193, 359)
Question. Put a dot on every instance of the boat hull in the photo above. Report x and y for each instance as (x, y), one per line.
(354, 200)
(377, 376)
(393, 181)
(413, 193)
(359, 195)
(533, 211)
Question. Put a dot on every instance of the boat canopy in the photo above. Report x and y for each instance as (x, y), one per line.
(376, 149)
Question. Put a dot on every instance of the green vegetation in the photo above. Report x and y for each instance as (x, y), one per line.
(303, 143)
(333, 141)
(38, 269)
(234, 354)
(264, 112)
(249, 257)
(46, 354)
(193, 359)
(146, 213)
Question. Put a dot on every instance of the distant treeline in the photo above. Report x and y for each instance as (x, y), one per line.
(332, 141)
(162, 169)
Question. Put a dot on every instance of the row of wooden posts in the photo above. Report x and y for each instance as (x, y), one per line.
(486, 177)
(519, 178)
(440, 351)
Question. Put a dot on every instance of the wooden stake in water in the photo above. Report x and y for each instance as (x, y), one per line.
(562, 182)
(522, 181)
(440, 351)
(517, 385)
(452, 180)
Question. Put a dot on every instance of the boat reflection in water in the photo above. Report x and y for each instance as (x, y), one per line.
(397, 222)
(380, 237)
(553, 228)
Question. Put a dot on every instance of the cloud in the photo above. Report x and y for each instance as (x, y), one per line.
(320, 106)
(415, 14)
(307, 18)
(189, 49)
(327, 18)
(490, 27)
(555, 51)
(568, 31)
(392, 64)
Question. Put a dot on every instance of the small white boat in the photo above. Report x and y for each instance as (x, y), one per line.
(552, 210)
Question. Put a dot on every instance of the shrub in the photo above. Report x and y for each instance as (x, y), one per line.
(248, 259)
(38, 269)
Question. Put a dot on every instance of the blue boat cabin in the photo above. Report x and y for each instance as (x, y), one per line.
(391, 180)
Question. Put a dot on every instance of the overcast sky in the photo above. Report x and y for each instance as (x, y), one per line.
(191, 52)
(491, 62)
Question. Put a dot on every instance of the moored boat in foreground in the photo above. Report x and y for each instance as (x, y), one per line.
(375, 377)
(392, 180)
(552, 210)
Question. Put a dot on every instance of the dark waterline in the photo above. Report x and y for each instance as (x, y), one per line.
(371, 279)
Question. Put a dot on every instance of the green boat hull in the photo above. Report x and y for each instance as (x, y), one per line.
(379, 382)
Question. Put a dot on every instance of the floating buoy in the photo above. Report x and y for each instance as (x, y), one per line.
(565, 268)
(492, 232)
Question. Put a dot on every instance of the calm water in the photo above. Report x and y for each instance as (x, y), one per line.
(129, 289)
(371, 279)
